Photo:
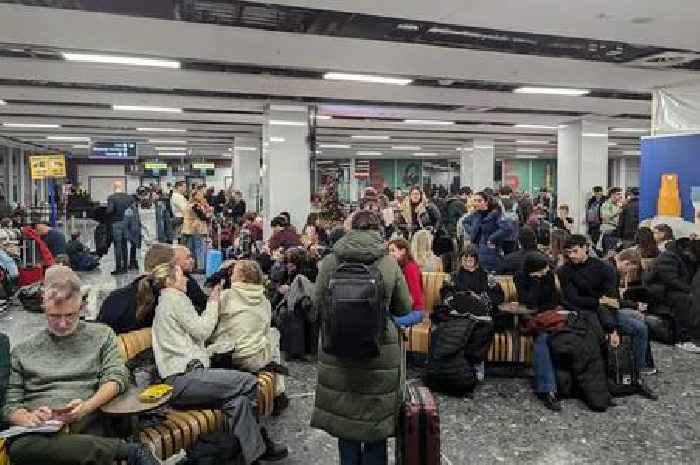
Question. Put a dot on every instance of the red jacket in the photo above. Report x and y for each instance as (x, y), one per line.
(411, 272)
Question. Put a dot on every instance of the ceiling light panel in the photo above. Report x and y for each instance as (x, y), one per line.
(639, 130)
(169, 149)
(529, 150)
(368, 137)
(534, 126)
(364, 153)
(277, 139)
(533, 142)
(2, 102)
(335, 146)
(167, 141)
(367, 78)
(31, 125)
(246, 149)
(280, 122)
(161, 130)
(428, 122)
(120, 60)
(595, 134)
(552, 91)
(405, 147)
(146, 108)
(172, 154)
(69, 138)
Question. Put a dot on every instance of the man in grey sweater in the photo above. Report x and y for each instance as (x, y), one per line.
(66, 373)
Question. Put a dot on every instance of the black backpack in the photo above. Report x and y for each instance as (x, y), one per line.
(355, 318)
(215, 449)
(623, 372)
(31, 297)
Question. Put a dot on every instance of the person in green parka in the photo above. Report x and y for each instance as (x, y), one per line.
(4, 372)
(359, 401)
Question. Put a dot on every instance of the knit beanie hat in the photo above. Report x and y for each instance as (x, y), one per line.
(535, 262)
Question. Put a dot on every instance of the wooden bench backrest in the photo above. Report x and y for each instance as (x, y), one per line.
(432, 283)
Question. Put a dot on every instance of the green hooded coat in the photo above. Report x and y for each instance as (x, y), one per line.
(360, 400)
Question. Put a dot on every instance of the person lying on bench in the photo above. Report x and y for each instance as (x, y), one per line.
(65, 373)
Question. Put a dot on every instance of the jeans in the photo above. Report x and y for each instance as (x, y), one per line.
(353, 452)
(120, 240)
(631, 323)
(545, 378)
(195, 242)
(232, 391)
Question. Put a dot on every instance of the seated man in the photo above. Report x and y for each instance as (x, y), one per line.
(54, 239)
(183, 361)
(513, 262)
(589, 284)
(67, 372)
(80, 257)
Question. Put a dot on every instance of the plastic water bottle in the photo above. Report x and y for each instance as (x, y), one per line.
(492, 279)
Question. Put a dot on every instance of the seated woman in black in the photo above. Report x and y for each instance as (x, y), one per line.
(473, 279)
(536, 284)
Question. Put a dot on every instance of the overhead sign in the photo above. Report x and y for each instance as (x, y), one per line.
(114, 150)
(202, 166)
(155, 166)
(47, 166)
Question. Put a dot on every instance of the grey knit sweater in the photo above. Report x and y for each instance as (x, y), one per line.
(51, 371)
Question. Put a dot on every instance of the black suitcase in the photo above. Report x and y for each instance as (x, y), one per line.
(623, 372)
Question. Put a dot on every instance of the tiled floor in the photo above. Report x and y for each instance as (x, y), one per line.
(504, 423)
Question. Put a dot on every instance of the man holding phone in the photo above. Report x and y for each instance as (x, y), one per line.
(66, 373)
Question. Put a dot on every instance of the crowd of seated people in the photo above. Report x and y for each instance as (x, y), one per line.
(271, 303)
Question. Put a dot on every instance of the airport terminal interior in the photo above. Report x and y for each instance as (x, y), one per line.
(570, 125)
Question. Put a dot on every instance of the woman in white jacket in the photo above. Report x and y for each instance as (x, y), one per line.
(245, 327)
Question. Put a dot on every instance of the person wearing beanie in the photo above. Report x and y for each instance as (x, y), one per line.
(537, 290)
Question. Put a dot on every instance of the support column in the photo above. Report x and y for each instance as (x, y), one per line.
(22, 174)
(354, 184)
(10, 180)
(582, 162)
(246, 173)
(623, 174)
(286, 163)
(466, 166)
(484, 161)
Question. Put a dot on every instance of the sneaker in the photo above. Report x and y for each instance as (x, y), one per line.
(649, 371)
(550, 401)
(273, 452)
(646, 391)
(139, 454)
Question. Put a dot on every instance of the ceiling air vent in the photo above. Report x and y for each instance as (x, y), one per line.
(662, 60)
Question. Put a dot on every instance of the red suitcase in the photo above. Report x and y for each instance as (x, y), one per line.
(418, 441)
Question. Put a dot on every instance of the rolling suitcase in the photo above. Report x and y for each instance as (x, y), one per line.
(623, 372)
(30, 271)
(418, 439)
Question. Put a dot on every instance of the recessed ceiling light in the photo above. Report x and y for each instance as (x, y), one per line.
(169, 149)
(407, 27)
(612, 144)
(70, 138)
(533, 142)
(31, 125)
(276, 107)
(405, 147)
(465, 149)
(2, 102)
(641, 130)
(246, 149)
(277, 139)
(595, 134)
(453, 32)
(631, 152)
(334, 146)
(323, 117)
(425, 154)
(368, 137)
(367, 78)
(319, 151)
(428, 122)
(526, 157)
(81, 146)
(280, 122)
(368, 153)
(534, 126)
(167, 141)
(146, 108)
(551, 91)
(120, 60)
(529, 150)
(161, 130)
(172, 154)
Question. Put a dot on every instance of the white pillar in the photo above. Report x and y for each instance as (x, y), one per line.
(623, 174)
(22, 174)
(484, 161)
(246, 173)
(286, 163)
(354, 184)
(466, 166)
(582, 162)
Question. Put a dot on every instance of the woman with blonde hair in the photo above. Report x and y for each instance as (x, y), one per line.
(245, 324)
(195, 227)
(422, 251)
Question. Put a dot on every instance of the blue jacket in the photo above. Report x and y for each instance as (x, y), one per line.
(133, 224)
(484, 229)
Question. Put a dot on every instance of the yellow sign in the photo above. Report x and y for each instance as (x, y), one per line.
(47, 166)
(202, 166)
(155, 166)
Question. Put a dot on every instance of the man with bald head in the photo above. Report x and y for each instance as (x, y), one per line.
(117, 204)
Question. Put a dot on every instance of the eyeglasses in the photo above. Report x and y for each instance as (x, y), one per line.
(67, 317)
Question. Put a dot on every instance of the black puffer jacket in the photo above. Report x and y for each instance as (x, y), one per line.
(671, 273)
(4, 369)
(629, 220)
(578, 348)
(448, 370)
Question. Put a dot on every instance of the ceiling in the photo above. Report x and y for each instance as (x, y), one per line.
(230, 73)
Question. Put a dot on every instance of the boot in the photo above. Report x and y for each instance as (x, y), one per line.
(273, 452)
(139, 454)
(275, 367)
(280, 404)
(646, 391)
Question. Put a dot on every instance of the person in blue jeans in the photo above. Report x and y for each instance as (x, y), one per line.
(117, 204)
(537, 291)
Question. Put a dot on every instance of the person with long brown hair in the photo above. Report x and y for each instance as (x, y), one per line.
(400, 249)
(195, 227)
